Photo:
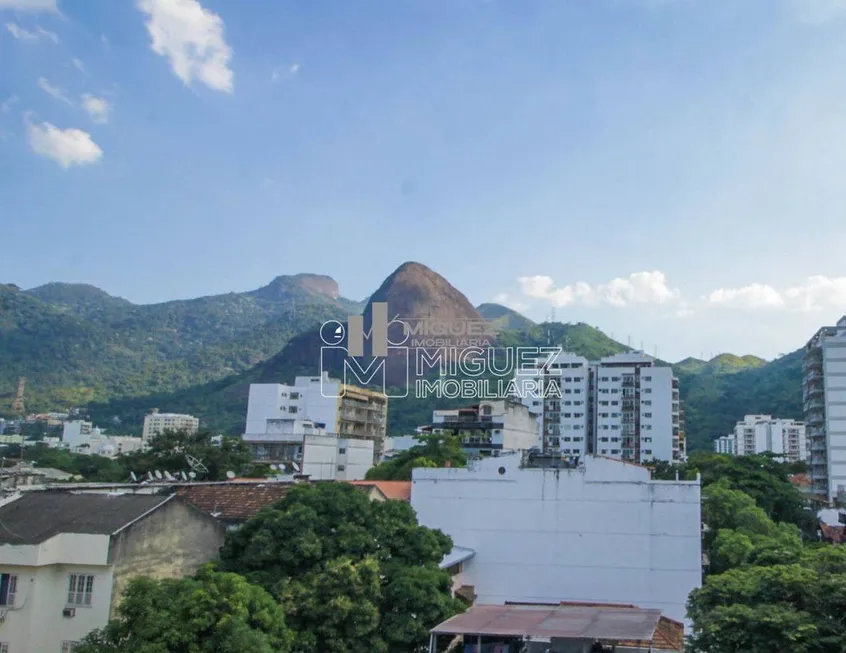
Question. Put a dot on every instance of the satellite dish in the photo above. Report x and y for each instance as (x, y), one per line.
(230, 475)
(133, 477)
(150, 476)
(196, 465)
(169, 476)
(296, 467)
(192, 475)
(158, 474)
(184, 476)
(274, 466)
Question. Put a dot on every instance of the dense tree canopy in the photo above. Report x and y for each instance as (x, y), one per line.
(213, 612)
(438, 450)
(352, 575)
(762, 477)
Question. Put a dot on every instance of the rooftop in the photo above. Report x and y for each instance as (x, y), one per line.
(37, 516)
(399, 490)
(234, 502)
(617, 623)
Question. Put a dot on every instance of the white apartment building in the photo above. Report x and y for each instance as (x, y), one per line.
(65, 559)
(764, 434)
(622, 406)
(824, 390)
(76, 433)
(726, 445)
(156, 423)
(302, 447)
(490, 427)
(342, 410)
(533, 530)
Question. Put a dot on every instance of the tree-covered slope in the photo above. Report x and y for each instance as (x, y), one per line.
(76, 343)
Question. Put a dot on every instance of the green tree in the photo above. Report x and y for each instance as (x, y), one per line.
(437, 450)
(167, 452)
(352, 574)
(214, 612)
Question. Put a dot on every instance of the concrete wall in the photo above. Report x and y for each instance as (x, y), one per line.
(171, 542)
(601, 533)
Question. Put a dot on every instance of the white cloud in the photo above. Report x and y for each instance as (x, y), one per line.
(509, 302)
(816, 293)
(637, 288)
(191, 37)
(52, 36)
(284, 71)
(77, 63)
(53, 91)
(97, 108)
(29, 5)
(6, 105)
(26, 35)
(67, 147)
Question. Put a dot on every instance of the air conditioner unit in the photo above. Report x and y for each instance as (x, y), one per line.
(68, 612)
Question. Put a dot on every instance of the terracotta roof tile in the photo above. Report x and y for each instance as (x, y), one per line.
(399, 490)
(234, 501)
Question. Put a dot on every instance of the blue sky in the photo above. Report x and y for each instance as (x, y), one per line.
(667, 170)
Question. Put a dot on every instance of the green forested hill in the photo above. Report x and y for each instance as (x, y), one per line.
(76, 344)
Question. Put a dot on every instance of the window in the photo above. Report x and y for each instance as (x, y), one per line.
(80, 587)
(615, 451)
(577, 427)
(295, 395)
(68, 647)
(568, 391)
(615, 403)
(647, 452)
(341, 468)
(647, 414)
(342, 450)
(615, 391)
(647, 391)
(603, 403)
(4, 648)
(8, 588)
(605, 451)
(604, 378)
(647, 378)
(577, 391)
(603, 414)
(567, 379)
(647, 403)
(292, 409)
(615, 378)
(568, 403)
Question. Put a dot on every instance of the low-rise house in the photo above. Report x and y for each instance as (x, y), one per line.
(387, 490)
(65, 559)
(232, 504)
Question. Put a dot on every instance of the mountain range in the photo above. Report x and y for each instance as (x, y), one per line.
(78, 346)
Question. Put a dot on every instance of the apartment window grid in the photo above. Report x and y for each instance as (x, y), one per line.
(80, 589)
(8, 590)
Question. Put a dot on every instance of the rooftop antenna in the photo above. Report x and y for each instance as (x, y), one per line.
(552, 315)
(196, 465)
(230, 475)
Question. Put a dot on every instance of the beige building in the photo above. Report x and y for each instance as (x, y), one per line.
(156, 423)
(343, 411)
(65, 559)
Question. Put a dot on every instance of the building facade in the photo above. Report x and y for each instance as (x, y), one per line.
(63, 571)
(765, 434)
(824, 391)
(345, 411)
(157, 423)
(76, 433)
(489, 427)
(599, 531)
(622, 406)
